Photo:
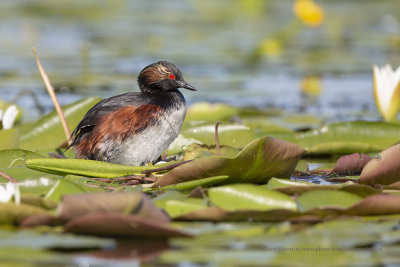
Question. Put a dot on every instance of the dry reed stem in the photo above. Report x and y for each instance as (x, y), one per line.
(53, 96)
(8, 177)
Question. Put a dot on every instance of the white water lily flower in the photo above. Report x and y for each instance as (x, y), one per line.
(9, 117)
(387, 91)
(8, 190)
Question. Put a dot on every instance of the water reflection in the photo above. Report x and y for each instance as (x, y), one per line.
(240, 52)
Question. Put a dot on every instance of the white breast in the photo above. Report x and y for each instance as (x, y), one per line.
(148, 145)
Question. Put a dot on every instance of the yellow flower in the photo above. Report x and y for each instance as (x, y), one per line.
(309, 12)
(271, 47)
(387, 91)
(311, 85)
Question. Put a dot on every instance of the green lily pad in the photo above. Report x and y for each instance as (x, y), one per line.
(47, 132)
(320, 199)
(16, 157)
(197, 151)
(161, 200)
(256, 163)
(11, 256)
(350, 137)
(9, 138)
(203, 111)
(299, 187)
(37, 186)
(63, 187)
(90, 168)
(249, 197)
(275, 183)
(180, 143)
(175, 208)
(11, 213)
(205, 182)
(23, 173)
(234, 135)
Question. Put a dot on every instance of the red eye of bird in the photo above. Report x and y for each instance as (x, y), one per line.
(172, 77)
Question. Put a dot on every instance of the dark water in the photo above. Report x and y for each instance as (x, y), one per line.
(98, 47)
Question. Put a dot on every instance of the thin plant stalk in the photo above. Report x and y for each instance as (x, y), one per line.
(217, 147)
(8, 177)
(53, 96)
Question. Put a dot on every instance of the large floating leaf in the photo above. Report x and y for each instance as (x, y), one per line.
(234, 135)
(122, 225)
(11, 213)
(351, 164)
(9, 138)
(383, 170)
(23, 174)
(90, 168)
(63, 187)
(217, 214)
(298, 187)
(48, 131)
(320, 199)
(350, 137)
(256, 163)
(74, 206)
(378, 204)
(203, 111)
(11, 256)
(175, 208)
(197, 151)
(249, 197)
(205, 182)
(275, 183)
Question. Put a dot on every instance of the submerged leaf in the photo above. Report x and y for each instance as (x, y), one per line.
(35, 239)
(256, 163)
(383, 170)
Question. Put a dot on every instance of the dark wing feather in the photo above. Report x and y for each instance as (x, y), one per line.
(104, 107)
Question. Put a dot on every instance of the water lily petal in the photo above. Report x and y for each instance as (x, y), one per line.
(9, 116)
(9, 190)
(387, 91)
